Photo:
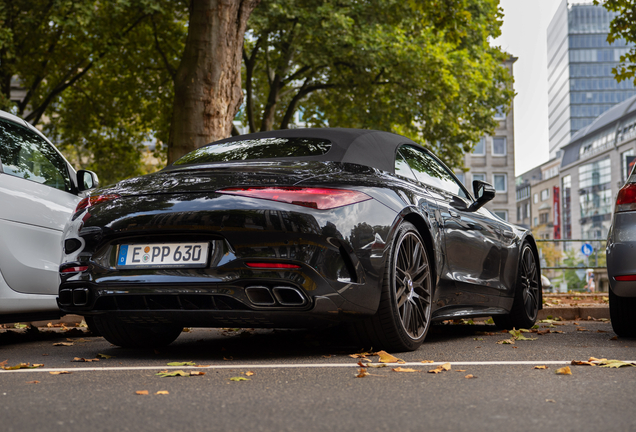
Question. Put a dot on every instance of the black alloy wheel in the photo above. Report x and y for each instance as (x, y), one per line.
(404, 314)
(525, 307)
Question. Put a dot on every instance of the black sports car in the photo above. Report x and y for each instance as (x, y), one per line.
(293, 229)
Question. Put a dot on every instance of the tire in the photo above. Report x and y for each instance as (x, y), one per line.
(623, 314)
(404, 314)
(525, 306)
(135, 336)
(90, 323)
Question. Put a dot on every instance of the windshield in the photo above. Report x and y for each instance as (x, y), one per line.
(263, 148)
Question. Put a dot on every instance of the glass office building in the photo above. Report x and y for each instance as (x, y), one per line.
(581, 85)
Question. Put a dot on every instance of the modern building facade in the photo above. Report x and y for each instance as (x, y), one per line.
(594, 167)
(581, 85)
(493, 161)
(523, 189)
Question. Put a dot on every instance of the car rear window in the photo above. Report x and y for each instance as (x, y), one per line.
(262, 148)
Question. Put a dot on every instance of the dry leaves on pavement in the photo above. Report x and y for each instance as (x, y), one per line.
(179, 373)
(142, 392)
(63, 344)
(239, 379)
(162, 392)
(401, 369)
(385, 357)
(362, 373)
(59, 372)
(441, 368)
(20, 366)
(564, 371)
(82, 359)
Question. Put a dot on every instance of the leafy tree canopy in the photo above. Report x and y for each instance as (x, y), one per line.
(422, 69)
(97, 76)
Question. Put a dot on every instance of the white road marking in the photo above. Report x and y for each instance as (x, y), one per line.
(294, 366)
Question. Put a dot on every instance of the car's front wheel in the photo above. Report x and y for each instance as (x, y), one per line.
(404, 314)
(623, 314)
(136, 336)
(525, 306)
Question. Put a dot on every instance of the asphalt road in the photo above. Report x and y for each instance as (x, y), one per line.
(307, 381)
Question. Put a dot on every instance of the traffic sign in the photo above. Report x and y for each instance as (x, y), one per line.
(587, 249)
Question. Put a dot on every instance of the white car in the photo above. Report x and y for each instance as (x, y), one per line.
(39, 190)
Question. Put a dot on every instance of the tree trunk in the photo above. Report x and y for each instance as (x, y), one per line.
(208, 82)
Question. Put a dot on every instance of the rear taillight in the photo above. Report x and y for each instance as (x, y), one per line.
(626, 200)
(90, 201)
(272, 265)
(317, 198)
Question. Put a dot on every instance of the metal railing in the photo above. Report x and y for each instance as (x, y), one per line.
(595, 267)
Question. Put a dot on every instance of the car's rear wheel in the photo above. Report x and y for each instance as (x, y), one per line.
(136, 336)
(525, 306)
(404, 314)
(623, 314)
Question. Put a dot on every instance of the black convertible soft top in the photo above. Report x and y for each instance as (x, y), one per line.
(372, 148)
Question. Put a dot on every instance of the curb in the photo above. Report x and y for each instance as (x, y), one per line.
(575, 312)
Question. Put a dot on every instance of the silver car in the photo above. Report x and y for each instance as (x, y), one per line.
(621, 261)
(39, 190)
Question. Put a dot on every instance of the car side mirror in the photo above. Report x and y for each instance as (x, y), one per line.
(484, 192)
(86, 180)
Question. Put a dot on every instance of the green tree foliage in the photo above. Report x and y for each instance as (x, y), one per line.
(97, 75)
(623, 26)
(422, 69)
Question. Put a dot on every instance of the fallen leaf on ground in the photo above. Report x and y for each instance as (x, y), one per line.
(63, 344)
(385, 357)
(543, 332)
(189, 363)
(550, 400)
(517, 334)
(249, 373)
(327, 356)
(104, 356)
(460, 370)
(427, 361)
(614, 338)
(441, 368)
(540, 367)
(582, 329)
(162, 392)
(506, 342)
(59, 372)
(601, 331)
(360, 355)
(470, 376)
(228, 358)
(614, 364)
(82, 359)
(362, 373)
(564, 371)
(142, 392)
(33, 382)
(594, 359)
(401, 369)
(239, 379)
(179, 373)
(22, 366)
(81, 340)
(376, 365)
(195, 373)
(478, 339)
(582, 363)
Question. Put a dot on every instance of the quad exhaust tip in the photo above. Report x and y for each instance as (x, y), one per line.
(277, 296)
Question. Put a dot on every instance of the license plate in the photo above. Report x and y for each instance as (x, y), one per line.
(189, 255)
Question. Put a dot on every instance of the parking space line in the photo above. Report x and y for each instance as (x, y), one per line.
(293, 366)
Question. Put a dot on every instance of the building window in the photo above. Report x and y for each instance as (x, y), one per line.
(526, 211)
(566, 206)
(536, 221)
(499, 146)
(518, 213)
(480, 147)
(502, 214)
(479, 176)
(543, 218)
(627, 162)
(500, 112)
(500, 182)
(535, 198)
(545, 194)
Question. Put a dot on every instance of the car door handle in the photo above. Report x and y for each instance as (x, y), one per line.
(453, 214)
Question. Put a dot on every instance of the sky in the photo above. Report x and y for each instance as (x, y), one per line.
(524, 31)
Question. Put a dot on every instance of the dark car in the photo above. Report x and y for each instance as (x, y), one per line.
(621, 261)
(294, 229)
